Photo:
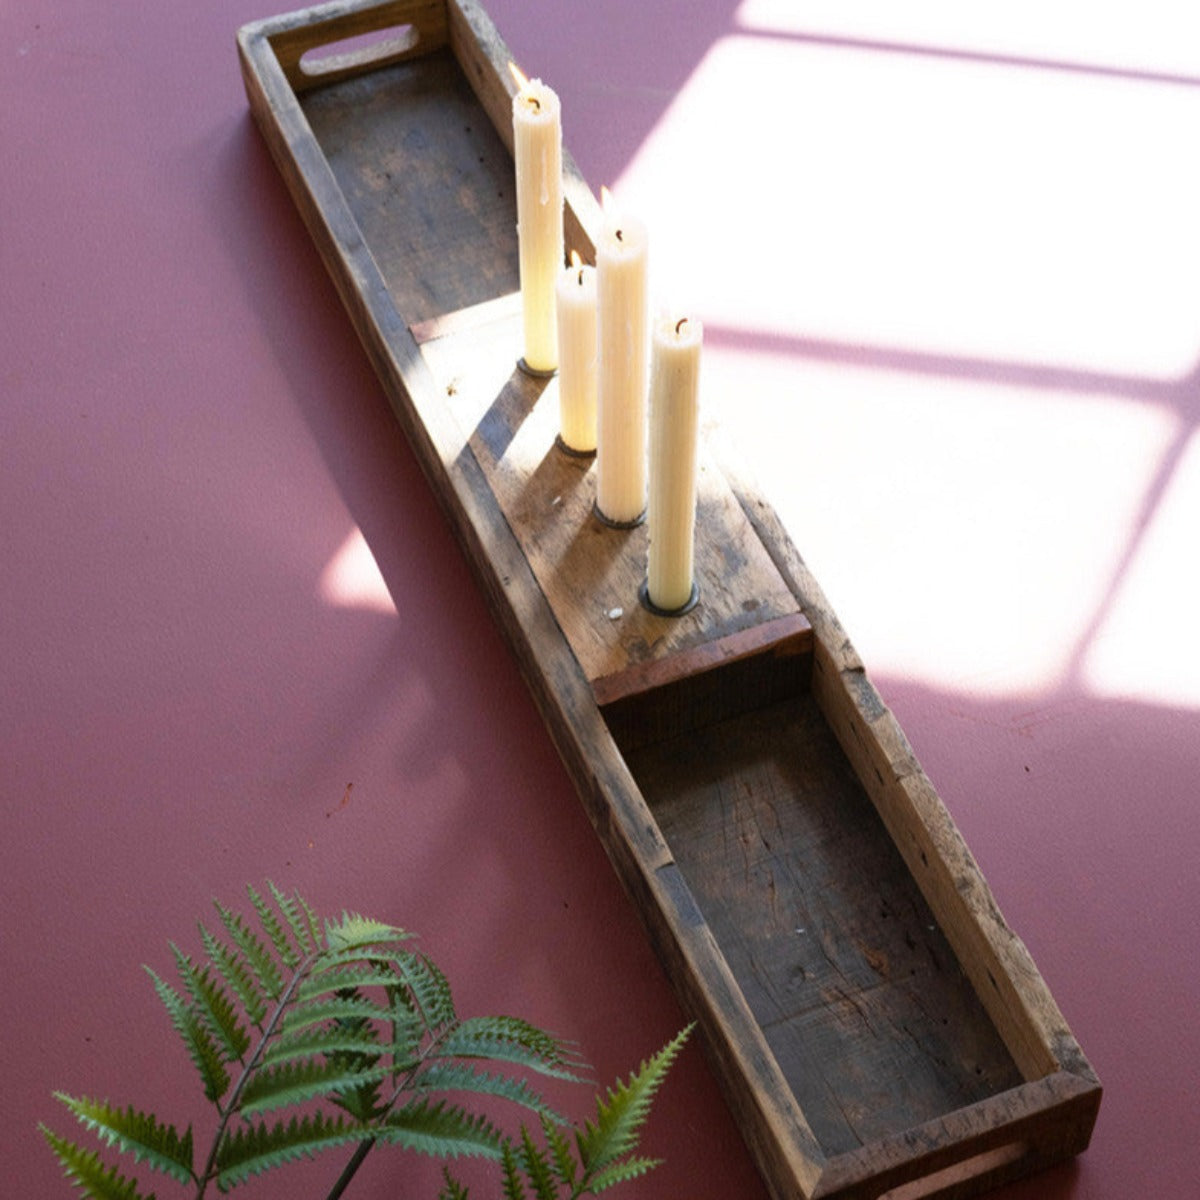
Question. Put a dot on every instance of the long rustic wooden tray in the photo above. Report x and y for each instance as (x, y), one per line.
(877, 1027)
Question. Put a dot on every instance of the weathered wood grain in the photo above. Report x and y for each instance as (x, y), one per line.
(740, 770)
(843, 964)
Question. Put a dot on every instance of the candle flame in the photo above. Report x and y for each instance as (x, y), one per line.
(576, 261)
(606, 200)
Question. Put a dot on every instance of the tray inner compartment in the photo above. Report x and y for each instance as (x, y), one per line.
(843, 964)
(427, 179)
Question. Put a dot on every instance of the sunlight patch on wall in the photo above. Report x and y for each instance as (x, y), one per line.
(1149, 646)
(351, 578)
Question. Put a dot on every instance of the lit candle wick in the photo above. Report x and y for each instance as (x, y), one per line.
(680, 323)
(620, 236)
(534, 102)
(581, 277)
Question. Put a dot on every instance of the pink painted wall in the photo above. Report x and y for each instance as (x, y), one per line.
(237, 640)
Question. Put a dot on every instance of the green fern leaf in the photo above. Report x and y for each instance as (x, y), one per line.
(274, 930)
(364, 1102)
(254, 1148)
(265, 969)
(322, 1041)
(311, 919)
(326, 981)
(160, 1146)
(622, 1172)
(506, 1039)
(213, 1006)
(293, 908)
(338, 1008)
(238, 976)
(196, 1037)
(510, 1174)
(93, 1178)
(296, 1082)
(452, 1189)
(429, 989)
(463, 1078)
(538, 1171)
(560, 1149)
(440, 1129)
(355, 932)
(619, 1120)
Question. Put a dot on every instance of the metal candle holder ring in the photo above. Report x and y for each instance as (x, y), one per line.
(570, 450)
(638, 520)
(536, 372)
(650, 606)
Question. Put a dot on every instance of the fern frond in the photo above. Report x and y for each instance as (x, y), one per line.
(560, 1148)
(463, 1078)
(354, 932)
(321, 1041)
(325, 980)
(314, 923)
(238, 976)
(196, 1037)
(89, 1174)
(257, 956)
(293, 908)
(452, 1189)
(363, 1102)
(508, 1039)
(296, 1082)
(510, 1174)
(141, 1134)
(274, 930)
(337, 1008)
(254, 1148)
(440, 1129)
(429, 988)
(621, 1172)
(619, 1119)
(213, 1006)
(536, 1164)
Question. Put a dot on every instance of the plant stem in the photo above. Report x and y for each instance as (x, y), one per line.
(364, 1147)
(236, 1095)
(348, 1172)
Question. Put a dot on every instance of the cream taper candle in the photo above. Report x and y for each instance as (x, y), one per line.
(622, 335)
(674, 435)
(537, 154)
(577, 356)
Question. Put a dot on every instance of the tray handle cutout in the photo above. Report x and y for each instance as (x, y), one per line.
(342, 41)
(951, 1179)
(380, 47)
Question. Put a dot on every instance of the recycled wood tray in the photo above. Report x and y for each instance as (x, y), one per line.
(877, 1027)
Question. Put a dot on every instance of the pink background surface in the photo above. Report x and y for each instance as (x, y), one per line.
(947, 265)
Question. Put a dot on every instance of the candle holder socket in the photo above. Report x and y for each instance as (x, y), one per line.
(536, 372)
(650, 606)
(638, 520)
(570, 451)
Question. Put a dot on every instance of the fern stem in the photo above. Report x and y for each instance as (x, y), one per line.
(367, 1144)
(235, 1096)
(351, 1168)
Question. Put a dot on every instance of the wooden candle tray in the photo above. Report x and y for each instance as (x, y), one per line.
(876, 1026)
